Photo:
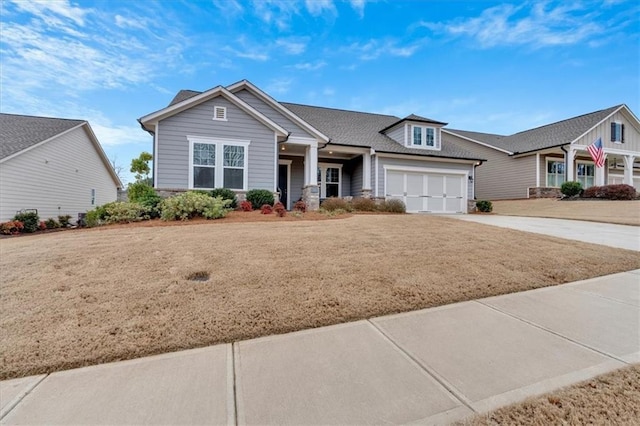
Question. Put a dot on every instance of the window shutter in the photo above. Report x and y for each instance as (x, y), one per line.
(613, 132)
(622, 133)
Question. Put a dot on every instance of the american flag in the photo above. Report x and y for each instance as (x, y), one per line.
(597, 153)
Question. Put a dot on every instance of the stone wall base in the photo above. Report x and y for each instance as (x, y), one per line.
(311, 196)
(544, 192)
(471, 206)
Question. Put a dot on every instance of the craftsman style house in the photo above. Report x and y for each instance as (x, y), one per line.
(240, 138)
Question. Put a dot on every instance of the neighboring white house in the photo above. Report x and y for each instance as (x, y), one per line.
(54, 165)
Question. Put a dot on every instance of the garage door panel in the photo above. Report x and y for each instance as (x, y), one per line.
(435, 205)
(415, 184)
(414, 204)
(395, 184)
(435, 185)
(453, 186)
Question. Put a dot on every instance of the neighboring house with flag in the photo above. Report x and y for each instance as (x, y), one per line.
(534, 163)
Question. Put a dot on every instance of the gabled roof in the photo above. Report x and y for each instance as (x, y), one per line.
(352, 128)
(551, 135)
(191, 100)
(413, 117)
(19, 132)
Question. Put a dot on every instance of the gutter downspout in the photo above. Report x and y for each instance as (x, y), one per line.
(474, 178)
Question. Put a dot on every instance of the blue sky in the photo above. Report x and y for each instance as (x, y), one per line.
(498, 67)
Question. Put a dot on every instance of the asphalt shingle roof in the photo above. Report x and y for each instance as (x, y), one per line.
(555, 134)
(183, 95)
(19, 132)
(354, 128)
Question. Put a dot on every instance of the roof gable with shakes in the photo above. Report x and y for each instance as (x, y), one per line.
(20, 132)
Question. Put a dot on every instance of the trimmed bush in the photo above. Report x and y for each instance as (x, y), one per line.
(139, 190)
(64, 220)
(192, 204)
(364, 205)
(334, 203)
(151, 203)
(246, 206)
(12, 227)
(392, 206)
(610, 192)
(226, 194)
(266, 209)
(484, 206)
(42, 225)
(300, 206)
(52, 223)
(279, 209)
(259, 197)
(119, 212)
(571, 189)
(30, 221)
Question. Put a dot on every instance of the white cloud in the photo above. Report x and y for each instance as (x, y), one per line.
(279, 86)
(278, 12)
(45, 9)
(228, 7)
(537, 26)
(318, 7)
(310, 66)
(293, 46)
(358, 6)
(373, 49)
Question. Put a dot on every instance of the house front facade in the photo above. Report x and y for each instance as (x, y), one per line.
(536, 162)
(52, 165)
(240, 138)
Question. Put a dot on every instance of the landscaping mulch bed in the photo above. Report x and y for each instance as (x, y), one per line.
(77, 298)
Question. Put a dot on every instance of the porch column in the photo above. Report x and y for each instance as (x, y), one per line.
(310, 191)
(628, 169)
(600, 173)
(571, 166)
(366, 175)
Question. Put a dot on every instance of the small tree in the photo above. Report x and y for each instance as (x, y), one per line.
(140, 166)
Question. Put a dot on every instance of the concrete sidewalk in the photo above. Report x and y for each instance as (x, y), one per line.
(608, 234)
(430, 366)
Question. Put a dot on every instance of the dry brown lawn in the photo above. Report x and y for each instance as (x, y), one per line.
(610, 399)
(71, 299)
(620, 212)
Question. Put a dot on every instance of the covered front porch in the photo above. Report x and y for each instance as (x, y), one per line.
(311, 172)
(558, 165)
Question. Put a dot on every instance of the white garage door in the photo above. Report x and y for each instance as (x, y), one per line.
(427, 192)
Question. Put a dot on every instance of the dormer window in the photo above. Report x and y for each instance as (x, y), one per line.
(220, 113)
(424, 137)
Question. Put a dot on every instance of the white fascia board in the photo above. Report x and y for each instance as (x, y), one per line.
(245, 84)
(103, 155)
(476, 141)
(426, 158)
(153, 118)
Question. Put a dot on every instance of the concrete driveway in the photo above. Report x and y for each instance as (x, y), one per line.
(619, 236)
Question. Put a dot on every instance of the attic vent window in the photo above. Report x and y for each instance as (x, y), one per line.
(220, 113)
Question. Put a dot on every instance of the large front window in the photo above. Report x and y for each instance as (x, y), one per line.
(424, 137)
(218, 164)
(585, 173)
(555, 173)
(329, 179)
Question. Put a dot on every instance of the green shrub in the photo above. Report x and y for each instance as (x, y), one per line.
(226, 194)
(151, 203)
(259, 197)
(52, 223)
(120, 212)
(334, 203)
(92, 218)
(484, 206)
(610, 192)
(392, 206)
(192, 204)
(29, 219)
(139, 190)
(570, 189)
(364, 205)
(65, 220)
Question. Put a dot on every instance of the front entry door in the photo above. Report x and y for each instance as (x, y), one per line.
(283, 184)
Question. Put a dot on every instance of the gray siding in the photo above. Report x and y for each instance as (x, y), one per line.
(173, 146)
(56, 178)
(356, 177)
(398, 134)
(384, 161)
(297, 177)
(501, 176)
(272, 114)
(603, 130)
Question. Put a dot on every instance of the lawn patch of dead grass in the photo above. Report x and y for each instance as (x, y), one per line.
(612, 398)
(79, 298)
(620, 212)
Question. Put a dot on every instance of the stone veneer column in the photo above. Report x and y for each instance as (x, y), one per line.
(366, 193)
(311, 196)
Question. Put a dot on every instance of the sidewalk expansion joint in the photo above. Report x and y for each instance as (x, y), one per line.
(430, 371)
(18, 399)
(234, 385)
(555, 333)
